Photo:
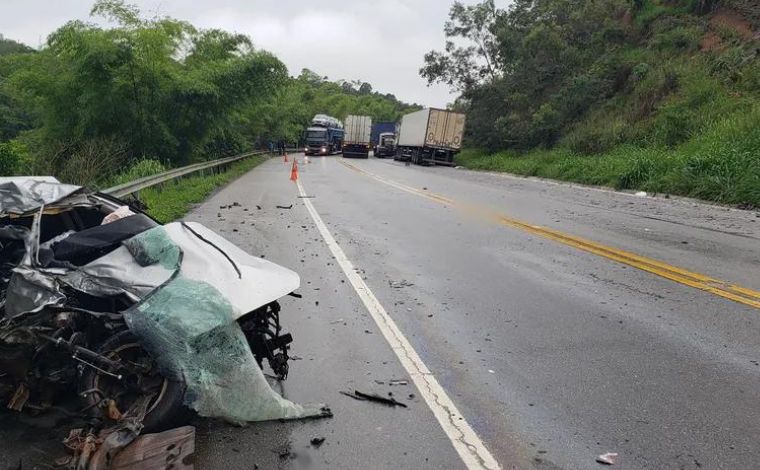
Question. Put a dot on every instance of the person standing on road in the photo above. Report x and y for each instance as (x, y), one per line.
(281, 147)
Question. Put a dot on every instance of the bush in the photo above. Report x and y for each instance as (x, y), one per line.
(680, 38)
(91, 161)
(597, 134)
(139, 169)
(13, 158)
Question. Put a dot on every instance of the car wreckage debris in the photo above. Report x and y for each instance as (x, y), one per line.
(95, 295)
(609, 458)
(357, 395)
(317, 441)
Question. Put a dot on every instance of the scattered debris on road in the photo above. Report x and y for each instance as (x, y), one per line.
(397, 382)
(361, 396)
(285, 207)
(400, 284)
(609, 458)
(317, 441)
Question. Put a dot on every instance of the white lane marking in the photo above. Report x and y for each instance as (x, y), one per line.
(468, 445)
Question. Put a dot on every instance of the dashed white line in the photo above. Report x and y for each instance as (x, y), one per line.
(468, 445)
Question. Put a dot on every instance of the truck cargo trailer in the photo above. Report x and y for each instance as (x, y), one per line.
(430, 136)
(357, 139)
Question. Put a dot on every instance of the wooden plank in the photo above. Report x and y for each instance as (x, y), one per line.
(171, 449)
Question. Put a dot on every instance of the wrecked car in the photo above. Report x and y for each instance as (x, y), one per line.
(142, 319)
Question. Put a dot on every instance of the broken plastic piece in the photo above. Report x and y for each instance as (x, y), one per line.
(609, 458)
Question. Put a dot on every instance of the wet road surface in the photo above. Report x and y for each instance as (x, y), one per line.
(553, 354)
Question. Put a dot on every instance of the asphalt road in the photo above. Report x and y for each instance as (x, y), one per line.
(552, 353)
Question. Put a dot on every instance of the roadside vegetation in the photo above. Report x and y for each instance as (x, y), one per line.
(97, 105)
(655, 95)
(174, 199)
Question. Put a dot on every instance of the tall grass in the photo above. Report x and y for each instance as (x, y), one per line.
(719, 162)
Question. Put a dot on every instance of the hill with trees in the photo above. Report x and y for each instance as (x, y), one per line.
(647, 94)
(150, 93)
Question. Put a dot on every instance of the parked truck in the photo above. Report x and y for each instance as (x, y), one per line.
(324, 136)
(430, 136)
(381, 128)
(357, 139)
(386, 145)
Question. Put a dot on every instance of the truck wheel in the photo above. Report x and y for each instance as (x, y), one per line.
(167, 408)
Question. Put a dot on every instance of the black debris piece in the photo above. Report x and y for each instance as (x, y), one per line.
(375, 398)
(317, 441)
(285, 207)
(351, 395)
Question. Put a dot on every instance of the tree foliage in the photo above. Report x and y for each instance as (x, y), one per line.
(287, 113)
(95, 99)
(9, 46)
(586, 74)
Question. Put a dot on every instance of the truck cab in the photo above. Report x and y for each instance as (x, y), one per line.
(386, 145)
(323, 141)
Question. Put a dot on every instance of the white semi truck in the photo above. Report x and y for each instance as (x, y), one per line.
(356, 142)
(430, 136)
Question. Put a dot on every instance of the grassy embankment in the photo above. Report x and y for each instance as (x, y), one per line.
(686, 121)
(721, 164)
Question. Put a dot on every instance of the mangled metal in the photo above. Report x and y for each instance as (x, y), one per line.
(204, 344)
(21, 195)
(96, 296)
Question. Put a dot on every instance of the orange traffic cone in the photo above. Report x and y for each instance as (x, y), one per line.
(294, 172)
(285, 157)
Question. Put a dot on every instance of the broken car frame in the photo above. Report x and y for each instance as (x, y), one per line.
(97, 296)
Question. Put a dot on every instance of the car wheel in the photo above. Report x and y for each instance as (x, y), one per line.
(165, 411)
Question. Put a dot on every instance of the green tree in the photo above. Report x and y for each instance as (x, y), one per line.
(465, 66)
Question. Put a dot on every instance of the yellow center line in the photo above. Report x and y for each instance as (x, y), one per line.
(704, 283)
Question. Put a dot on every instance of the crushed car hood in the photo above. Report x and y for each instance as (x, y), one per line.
(24, 194)
(245, 281)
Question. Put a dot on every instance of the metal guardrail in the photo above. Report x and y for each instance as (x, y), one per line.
(149, 181)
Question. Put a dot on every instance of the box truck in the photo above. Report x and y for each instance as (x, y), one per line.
(357, 139)
(324, 136)
(430, 136)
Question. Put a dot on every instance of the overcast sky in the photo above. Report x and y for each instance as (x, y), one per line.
(377, 41)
